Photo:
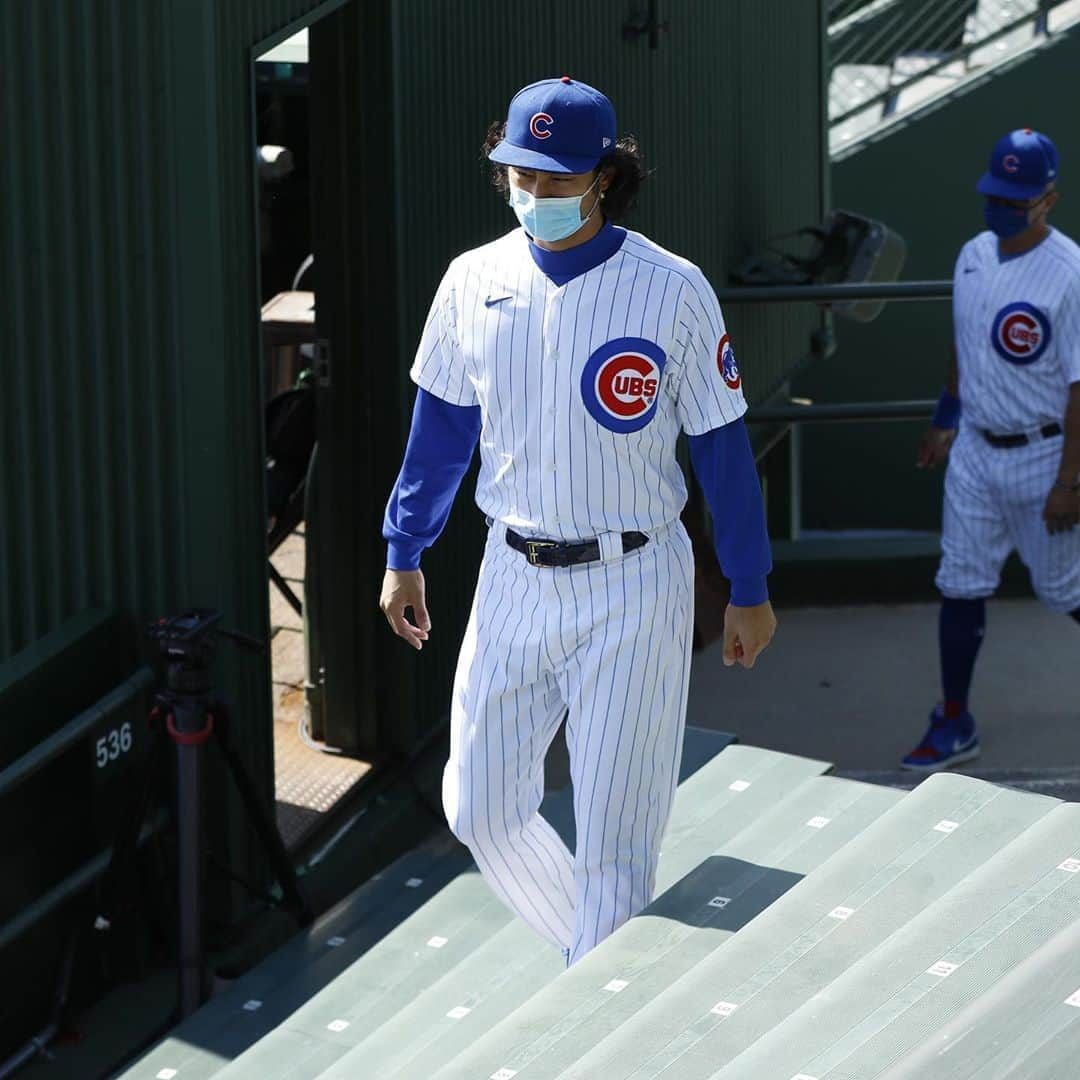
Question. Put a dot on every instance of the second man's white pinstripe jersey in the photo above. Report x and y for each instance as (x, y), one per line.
(1017, 327)
(583, 387)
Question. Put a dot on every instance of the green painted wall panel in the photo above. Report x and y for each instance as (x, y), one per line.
(131, 421)
(919, 178)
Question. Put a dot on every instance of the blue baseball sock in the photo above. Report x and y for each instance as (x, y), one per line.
(960, 633)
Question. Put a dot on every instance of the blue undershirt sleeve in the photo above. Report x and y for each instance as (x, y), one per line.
(441, 444)
(724, 465)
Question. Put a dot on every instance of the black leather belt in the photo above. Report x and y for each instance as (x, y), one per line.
(566, 553)
(1048, 431)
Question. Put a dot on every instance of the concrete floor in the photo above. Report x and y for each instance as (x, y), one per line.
(854, 686)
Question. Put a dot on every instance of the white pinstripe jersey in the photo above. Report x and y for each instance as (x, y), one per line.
(582, 388)
(1017, 330)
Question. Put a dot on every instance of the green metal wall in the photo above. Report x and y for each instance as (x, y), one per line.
(729, 113)
(919, 178)
(132, 468)
(131, 420)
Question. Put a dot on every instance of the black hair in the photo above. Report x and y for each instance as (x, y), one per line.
(624, 164)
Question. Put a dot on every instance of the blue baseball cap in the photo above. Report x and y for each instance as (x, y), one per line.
(557, 125)
(1022, 163)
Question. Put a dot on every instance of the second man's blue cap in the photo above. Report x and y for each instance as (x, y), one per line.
(1022, 163)
(557, 125)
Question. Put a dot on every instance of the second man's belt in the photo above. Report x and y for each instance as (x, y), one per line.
(1047, 431)
(565, 553)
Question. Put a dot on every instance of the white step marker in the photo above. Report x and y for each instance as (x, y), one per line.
(616, 985)
(1070, 866)
(738, 785)
(458, 1012)
(723, 1008)
(337, 1025)
(437, 942)
(946, 826)
(841, 913)
(942, 969)
(818, 822)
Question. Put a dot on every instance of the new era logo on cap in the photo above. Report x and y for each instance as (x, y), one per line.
(557, 125)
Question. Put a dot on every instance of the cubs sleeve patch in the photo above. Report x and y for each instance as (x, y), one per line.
(725, 363)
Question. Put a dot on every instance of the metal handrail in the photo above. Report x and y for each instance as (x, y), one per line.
(881, 290)
(48, 750)
(848, 410)
(70, 886)
(1038, 16)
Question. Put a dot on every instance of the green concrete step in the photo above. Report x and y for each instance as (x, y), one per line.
(398, 970)
(927, 843)
(739, 879)
(1025, 1026)
(418, 952)
(718, 803)
(258, 1001)
(893, 999)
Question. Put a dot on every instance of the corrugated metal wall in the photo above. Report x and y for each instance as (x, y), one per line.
(131, 422)
(131, 416)
(729, 113)
(91, 369)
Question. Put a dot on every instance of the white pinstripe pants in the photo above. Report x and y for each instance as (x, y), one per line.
(609, 642)
(994, 499)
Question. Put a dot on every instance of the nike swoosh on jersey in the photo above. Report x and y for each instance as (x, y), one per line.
(491, 300)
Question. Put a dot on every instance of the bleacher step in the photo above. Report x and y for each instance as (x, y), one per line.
(741, 878)
(717, 804)
(927, 843)
(891, 999)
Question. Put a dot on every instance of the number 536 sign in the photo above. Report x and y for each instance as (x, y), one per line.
(112, 745)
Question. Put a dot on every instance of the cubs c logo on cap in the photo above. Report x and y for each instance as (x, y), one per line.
(725, 362)
(620, 384)
(1021, 333)
(539, 124)
(1010, 163)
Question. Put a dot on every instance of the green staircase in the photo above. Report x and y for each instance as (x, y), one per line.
(806, 927)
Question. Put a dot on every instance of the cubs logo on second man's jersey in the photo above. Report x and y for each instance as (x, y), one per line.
(1017, 326)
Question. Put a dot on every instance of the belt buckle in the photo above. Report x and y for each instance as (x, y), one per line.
(533, 548)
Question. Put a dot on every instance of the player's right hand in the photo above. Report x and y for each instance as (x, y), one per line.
(404, 589)
(934, 447)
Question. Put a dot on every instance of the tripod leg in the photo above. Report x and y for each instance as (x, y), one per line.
(267, 830)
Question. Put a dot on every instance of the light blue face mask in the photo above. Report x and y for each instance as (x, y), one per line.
(553, 218)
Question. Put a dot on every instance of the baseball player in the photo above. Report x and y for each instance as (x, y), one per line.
(574, 351)
(1013, 481)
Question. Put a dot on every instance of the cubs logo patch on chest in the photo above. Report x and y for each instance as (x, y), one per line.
(620, 384)
(1020, 333)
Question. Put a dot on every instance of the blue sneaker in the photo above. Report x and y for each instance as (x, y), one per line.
(946, 743)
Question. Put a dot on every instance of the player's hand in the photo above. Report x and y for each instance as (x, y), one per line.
(747, 630)
(1062, 510)
(403, 589)
(934, 447)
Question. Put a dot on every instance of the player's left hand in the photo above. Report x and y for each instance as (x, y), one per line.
(1062, 510)
(747, 631)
